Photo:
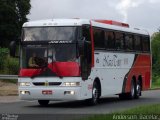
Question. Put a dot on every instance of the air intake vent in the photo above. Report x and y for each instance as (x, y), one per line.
(48, 84)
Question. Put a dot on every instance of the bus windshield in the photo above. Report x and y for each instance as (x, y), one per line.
(38, 56)
(49, 33)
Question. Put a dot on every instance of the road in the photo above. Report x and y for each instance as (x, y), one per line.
(106, 105)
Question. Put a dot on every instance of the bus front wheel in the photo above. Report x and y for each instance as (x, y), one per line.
(43, 102)
(95, 94)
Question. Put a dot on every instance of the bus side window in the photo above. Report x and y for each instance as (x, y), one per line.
(98, 38)
(119, 41)
(137, 43)
(109, 40)
(128, 42)
(145, 44)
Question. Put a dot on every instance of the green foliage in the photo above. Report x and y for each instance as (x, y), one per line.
(12, 66)
(156, 82)
(156, 47)
(3, 56)
(8, 65)
(12, 15)
(145, 109)
(156, 56)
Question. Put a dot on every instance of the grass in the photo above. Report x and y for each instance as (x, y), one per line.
(148, 109)
(156, 84)
(142, 112)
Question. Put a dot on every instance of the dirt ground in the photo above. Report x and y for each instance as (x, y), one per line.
(8, 89)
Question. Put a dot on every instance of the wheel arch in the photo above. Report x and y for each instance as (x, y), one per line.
(134, 79)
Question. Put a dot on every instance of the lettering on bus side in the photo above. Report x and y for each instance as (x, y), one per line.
(113, 60)
(60, 41)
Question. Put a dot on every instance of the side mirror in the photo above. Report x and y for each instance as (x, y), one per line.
(12, 48)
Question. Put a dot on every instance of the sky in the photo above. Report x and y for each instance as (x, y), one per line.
(144, 14)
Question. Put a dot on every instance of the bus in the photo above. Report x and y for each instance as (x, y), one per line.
(81, 59)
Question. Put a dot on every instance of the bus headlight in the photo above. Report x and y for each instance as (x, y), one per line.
(73, 84)
(69, 92)
(24, 84)
(24, 92)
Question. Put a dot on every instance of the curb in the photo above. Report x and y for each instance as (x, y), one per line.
(154, 89)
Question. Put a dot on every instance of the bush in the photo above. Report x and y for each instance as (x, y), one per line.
(8, 65)
(12, 66)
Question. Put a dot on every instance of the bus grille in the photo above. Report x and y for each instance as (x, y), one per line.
(46, 84)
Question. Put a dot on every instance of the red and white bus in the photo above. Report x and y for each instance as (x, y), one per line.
(80, 59)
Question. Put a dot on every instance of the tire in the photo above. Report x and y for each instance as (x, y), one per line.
(138, 90)
(132, 93)
(95, 95)
(43, 102)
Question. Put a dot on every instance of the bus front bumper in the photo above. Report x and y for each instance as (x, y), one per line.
(56, 93)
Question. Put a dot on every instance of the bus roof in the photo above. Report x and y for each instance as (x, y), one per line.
(114, 25)
(57, 22)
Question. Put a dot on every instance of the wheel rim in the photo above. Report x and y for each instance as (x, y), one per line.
(138, 89)
(95, 94)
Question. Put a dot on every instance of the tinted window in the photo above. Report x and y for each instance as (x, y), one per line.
(88, 49)
(119, 41)
(47, 54)
(137, 43)
(145, 44)
(109, 40)
(128, 42)
(98, 39)
(49, 33)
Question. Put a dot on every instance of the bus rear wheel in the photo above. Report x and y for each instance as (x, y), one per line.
(43, 102)
(138, 90)
(131, 94)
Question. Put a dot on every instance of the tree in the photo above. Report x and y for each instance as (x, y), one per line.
(156, 53)
(12, 15)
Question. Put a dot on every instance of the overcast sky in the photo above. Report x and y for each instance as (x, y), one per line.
(138, 13)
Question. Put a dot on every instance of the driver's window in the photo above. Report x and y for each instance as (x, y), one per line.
(33, 60)
(33, 57)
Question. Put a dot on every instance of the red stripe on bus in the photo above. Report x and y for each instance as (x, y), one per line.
(142, 66)
(63, 69)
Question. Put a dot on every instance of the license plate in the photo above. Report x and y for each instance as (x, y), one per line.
(47, 92)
